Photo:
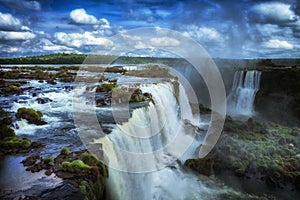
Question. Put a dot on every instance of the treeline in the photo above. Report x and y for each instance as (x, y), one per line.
(46, 59)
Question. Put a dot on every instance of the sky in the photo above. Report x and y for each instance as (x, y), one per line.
(224, 28)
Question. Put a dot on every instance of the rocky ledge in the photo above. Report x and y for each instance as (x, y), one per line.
(80, 169)
(267, 153)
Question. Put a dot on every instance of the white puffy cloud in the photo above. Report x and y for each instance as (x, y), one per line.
(274, 12)
(78, 39)
(164, 42)
(278, 44)
(80, 16)
(13, 35)
(202, 33)
(7, 21)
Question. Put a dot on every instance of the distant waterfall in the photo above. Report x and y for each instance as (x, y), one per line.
(157, 132)
(244, 88)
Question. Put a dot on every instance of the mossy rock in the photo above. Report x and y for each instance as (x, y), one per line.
(115, 69)
(203, 166)
(76, 166)
(65, 151)
(240, 167)
(90, 159)
(106, 87)
(31, 115)
(14, 143)
(6, 131)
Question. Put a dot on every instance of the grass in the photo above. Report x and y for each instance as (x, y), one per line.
(90, 159)
(254, 148)
(76, 166)
(65, 151)
(15, 143)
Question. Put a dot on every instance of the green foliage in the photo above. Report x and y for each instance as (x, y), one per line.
(89, 159)
(65, 151)
(151, 71)
(48, 160)
(31, 115)
(240, 166)
(76, 166)
(106, 87)
(6, 131)
(46, 59)
(15, 143)
(120, 93)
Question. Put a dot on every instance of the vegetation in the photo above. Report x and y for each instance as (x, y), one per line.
(115, 69)
(48, 160)
(31, 115)
(46, 59)
(65, 151)
(90, 159)
(76, 166)
(15, 143)
(266, 152)
(9, 88)
(151, 71)
(6, 131)
(106, 87)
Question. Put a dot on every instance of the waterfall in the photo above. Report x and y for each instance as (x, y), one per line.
(244, 88)
(158, 134)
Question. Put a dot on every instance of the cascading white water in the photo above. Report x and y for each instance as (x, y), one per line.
(149, 130)
(244, 88)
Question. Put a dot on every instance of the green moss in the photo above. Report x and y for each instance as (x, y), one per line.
(6, 131)
(240, 166)
(15, 143)
(65, 151)
(83, 187)
(31, 115)
(89, 159)
(76, 166)
(48, 160)
(106, 87)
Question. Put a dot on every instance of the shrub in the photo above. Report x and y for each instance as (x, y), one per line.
(76, 166)
(15, 143)
(48, 160)
(65, 151)
(89, 159)
(106, 87)
(31, 115)
(6, 131)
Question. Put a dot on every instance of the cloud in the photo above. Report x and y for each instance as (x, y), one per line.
(80, 16)
(164, 42)
(278, 44)
(77, 39)
(21, 4)
(273, 13)
(9, 22)
(13, 35)
(202, 33)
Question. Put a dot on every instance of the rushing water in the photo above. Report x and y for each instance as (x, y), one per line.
(244, 88)
(162, 133)
(155, 174)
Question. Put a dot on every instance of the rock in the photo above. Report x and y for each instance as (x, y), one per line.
(203, 166)
(64, 192)
(31, 160)
(31, 115)
(43, 100)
